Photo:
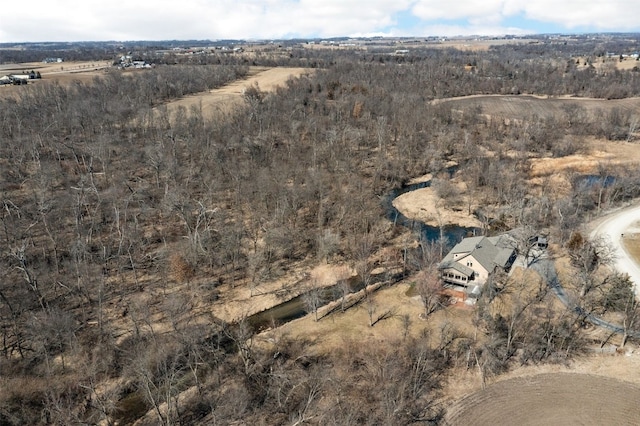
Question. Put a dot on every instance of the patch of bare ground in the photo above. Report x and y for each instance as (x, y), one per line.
(224, 99)
(556, 395)
(426, 206)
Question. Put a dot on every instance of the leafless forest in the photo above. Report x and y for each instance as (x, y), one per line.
(123, 224)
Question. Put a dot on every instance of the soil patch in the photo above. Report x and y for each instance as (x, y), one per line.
(557, 398)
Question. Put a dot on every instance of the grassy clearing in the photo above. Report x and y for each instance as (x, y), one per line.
(401, 308)
(632, 245)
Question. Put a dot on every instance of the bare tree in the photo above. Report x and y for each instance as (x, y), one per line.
(631, 313)
(588, 256)
(313, 299)
(430, 289)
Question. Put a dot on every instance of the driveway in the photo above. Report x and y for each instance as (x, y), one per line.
(612, 227)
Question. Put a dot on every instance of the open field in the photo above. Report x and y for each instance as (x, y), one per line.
(520, 107)
(554, 398)
(62, 72)
(54, 69)
(401, 309)
(597, 153)
(225, 98)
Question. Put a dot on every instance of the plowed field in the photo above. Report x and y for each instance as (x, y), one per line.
(551, 399)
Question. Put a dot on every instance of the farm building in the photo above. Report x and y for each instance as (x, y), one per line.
(16, 79)
(468, 265)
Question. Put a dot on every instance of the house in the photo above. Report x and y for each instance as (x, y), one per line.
(470, 263)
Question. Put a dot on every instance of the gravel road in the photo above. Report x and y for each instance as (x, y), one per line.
(612, 227)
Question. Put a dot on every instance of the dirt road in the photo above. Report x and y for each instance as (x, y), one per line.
(612, 227)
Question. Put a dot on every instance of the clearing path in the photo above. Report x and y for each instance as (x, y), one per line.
(612, 227)
(225, 98)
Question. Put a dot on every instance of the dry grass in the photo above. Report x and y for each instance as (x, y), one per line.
(241, 301)
(518, 107)
(599, 153)
(426, 206)
(403, 309)
(63, 73)
(631, 242)
(219, 101)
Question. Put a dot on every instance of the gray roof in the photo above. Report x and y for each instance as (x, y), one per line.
(503, 241)
(485, 253)
(488, 251)
(458, 267)
(467, 245)
(503, 256)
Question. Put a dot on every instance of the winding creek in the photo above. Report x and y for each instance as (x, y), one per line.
(296, 307)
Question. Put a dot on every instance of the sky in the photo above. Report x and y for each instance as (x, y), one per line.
(121, 20)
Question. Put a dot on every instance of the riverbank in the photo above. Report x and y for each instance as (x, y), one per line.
(424, 205)
(244, 301)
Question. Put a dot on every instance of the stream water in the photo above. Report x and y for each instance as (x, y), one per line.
(295, 308)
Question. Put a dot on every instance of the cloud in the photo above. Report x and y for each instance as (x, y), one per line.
(605, 15)
(612, 15)
(70, 20)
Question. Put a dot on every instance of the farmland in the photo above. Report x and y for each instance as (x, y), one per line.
(552, 398)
